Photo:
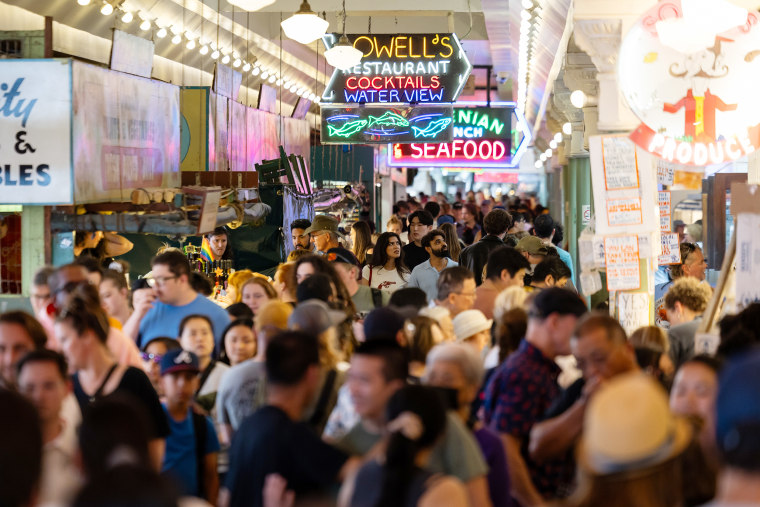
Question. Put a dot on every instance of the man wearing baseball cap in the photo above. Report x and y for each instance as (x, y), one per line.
(192, 445)
(348, 267)
(532, 249)
(324, 233)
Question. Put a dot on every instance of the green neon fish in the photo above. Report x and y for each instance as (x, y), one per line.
(433, 128)
(389, 119)
(347, 129)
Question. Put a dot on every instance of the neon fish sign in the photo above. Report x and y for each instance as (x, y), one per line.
(380, 125)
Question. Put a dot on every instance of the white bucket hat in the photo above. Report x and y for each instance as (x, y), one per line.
(470, 322)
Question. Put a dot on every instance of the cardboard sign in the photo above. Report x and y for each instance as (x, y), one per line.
(663, 201)
(621, 254)
(633, 310)
(35, 132)
(747, 259)
(132, 54)
(670, 253)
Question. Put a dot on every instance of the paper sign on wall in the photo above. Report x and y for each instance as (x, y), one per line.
(624, 211)
(633, 310)
(663, 200)
(747, 259)
(586, 214)
(621, 254)
(620, 165)
(665, 172)
(670, 250)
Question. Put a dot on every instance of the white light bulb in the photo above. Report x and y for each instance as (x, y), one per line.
(215, 54)
(553, 144)
(226, 59)
(539, 165)
(161, 33)
(145, 25)
(316, 99)
(548, 153)
(293, 87)
(176, 30)
(527, 4)
(567, 128)
(543, 157)
(525, 15)
(246, 67)
(176, 39)
(264, 75)
(272, 79)
(83, 2)
(278, 82)
(256, 71)
(127, 17)
(107, 9)
(237, 63)
(204, 50)
(578, 98)
(558, 137)
(190, 44)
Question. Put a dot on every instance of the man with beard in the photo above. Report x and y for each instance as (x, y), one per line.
(425, 275)
(301, 240)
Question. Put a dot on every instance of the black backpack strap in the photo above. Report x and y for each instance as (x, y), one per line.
(199, 430)
(324, 399)
(377, 297)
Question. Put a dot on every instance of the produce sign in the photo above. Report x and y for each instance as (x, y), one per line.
(483, 137)
(381, 125)
(689, 73)
(401, 69)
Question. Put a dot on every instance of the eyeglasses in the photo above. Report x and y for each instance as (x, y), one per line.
(160, 280)
(156, 358)
(467, 294)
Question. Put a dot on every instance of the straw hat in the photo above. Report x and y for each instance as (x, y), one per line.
(469, 323)
(629, 426)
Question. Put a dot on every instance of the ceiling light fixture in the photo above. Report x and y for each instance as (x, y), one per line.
(107, 9)
(190, 44)
(264, 75)
(553, 144)
(567, 129)
(204, 50)
(161, 33)
(538, 164)
(272, 79)
(543, 157)
(215, 54)
(558, 137)
(251, 5)
(256, 71)
(246, 67)
(127, 17)
(176, 39)
(278, 82)
(145, 25)
(226, 59)
(83, 2)
(578, 98)
(237, 63)
(343, 55)
(305, 26)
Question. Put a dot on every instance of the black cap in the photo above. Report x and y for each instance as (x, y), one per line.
(556, 300)
(340, 254)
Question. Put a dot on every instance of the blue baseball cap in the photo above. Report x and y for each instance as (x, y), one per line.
(738, 404)
(445, 219)
(179, 360)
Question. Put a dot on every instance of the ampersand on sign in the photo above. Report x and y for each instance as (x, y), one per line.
(21, 145)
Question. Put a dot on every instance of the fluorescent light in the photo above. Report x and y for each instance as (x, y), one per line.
(305, 26)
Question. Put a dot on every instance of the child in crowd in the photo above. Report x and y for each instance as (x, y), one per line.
(192, 445)
(152, 353)
(239, 342)
(196, 334)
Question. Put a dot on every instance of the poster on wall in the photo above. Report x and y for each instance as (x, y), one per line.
(633, 310)
(623, 180)
(35, 132)
(663, 202)
(126, 134)
(621, 254)
(747, 259)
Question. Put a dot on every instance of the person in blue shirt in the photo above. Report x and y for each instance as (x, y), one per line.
(192, 445)
(425, 275)
(173, 299)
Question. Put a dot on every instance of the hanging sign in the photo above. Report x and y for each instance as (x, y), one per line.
(381, 125)
(689, 74)
(621, 255)
(483, 137)
(35, 132)
(400, 69)
(663, 201)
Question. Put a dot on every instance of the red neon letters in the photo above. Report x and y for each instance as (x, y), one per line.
(460, 149)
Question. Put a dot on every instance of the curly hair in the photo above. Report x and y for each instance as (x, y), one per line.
(690, 292)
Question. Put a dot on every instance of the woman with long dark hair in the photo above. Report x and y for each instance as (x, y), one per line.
(417, 419)
(470, 231)
(361, 239)
(388, 271)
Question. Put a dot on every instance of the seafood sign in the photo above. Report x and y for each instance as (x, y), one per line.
(690, 76)
(400, 69)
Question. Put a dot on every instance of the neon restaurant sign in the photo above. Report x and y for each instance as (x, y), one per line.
(693, 83)
(400, 69)
(483, 137)
(382, 125)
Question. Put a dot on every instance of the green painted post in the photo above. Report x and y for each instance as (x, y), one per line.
(32, 244)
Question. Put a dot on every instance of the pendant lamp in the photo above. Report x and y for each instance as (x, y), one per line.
(305, 26)
(343, 55)
(251, 5)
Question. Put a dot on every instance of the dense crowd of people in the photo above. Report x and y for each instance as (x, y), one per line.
(446, 360)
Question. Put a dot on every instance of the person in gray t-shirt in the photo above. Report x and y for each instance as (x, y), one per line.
(241, 391)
